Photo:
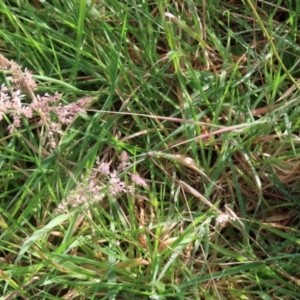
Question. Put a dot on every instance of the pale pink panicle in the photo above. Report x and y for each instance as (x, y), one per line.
(124, 161)
(103, 169)
(44, 107)
(124, 157)
(138, 180)
(102, 181)
(85, 101)
(17, 121)
(27, 112)
(115, 185)
(11, 128)
(16, 104)
(29, 82)
(67, 113)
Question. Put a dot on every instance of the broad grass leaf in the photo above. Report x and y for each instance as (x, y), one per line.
(36, 235)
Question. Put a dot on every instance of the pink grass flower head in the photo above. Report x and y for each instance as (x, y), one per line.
(138, 180)
(124, 161)
(103, 169)
(116, 185)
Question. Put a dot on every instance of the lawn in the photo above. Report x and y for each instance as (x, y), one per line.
(149, 150)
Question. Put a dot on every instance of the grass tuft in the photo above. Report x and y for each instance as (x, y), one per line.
(149, 150)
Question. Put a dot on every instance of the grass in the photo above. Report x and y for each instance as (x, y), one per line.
(204, 99)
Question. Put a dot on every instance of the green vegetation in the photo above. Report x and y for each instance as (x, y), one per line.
(149, 150)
